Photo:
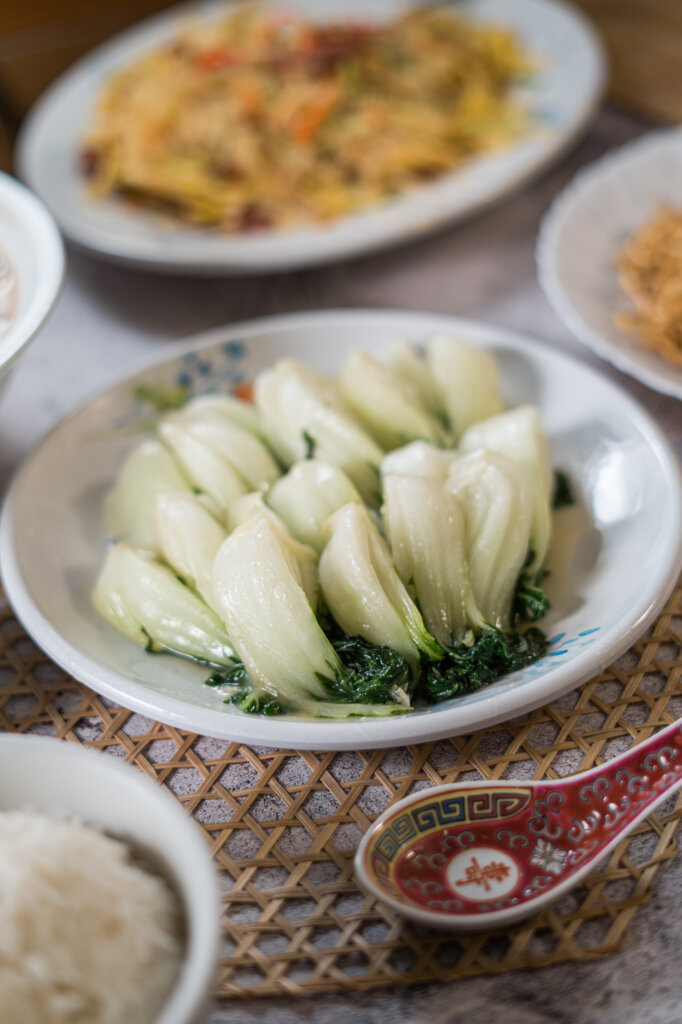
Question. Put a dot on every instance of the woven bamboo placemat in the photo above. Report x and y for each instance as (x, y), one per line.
(283, 825)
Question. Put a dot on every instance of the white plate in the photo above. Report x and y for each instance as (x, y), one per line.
(580, 237)
(618, 560)
(563, 96)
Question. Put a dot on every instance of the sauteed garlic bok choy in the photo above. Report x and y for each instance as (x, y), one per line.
(341, 547)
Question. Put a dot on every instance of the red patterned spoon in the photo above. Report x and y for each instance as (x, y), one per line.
(484, 854)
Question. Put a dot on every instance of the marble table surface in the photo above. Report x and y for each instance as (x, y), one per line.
(108, 319)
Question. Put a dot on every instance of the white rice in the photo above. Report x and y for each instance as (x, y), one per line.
(86, 935)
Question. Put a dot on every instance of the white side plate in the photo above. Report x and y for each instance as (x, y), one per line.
(579, 241)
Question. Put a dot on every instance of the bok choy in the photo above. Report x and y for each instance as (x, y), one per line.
(327, 550)
(519, 435)
(284, 651)
(426, 530)
(307, 495)
(364, 592)
(303, 415)
(148, 471)
(385, 404)
(467, 380)
(146, 602)
(189, 537)
(419, 459)
(493, 493)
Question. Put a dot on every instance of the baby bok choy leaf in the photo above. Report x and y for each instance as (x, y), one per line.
(207, 470)
(307, 495)
(385, 405)
(419, 458)
(189, 538)
(146, 601)
(241, 449)
(234, 410)
(426, 530)
(302, 415)
(257, 585)
(288, 664)
(149, 470)
(467, 379)
(252, 506)
(519, 435)
(409, 365)
(249, 506)
(364, 592)
(493, 493)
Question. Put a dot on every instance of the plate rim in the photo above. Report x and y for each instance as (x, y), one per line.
(362, 733)
(547, 248)
(100, 242)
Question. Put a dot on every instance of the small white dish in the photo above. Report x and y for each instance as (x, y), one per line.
(579, 239)
(562, 96)
(616, 557)
(31, 244)
(65, 780)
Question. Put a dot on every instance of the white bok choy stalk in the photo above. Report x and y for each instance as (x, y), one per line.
(385, 405)
(248, 507)
(205, 468)
(307, 495)
(419, 458)
(189, 538)
(241, 449)
(258, 590)
(364, 592)
(520, 435)
(234, 410)
(467, 379)
(494, 495)
(410, 366)
(147, 603)
(252, 506)
(130, 509)
(426, 531)
(303, 415)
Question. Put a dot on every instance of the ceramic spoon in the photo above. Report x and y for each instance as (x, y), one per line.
(484, 854)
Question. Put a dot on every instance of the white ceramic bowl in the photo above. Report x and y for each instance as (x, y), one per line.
(62, 779)
(579, 240)
(30, 241)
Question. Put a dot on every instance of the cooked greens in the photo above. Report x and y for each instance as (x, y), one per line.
(493, 654)
(329, 551)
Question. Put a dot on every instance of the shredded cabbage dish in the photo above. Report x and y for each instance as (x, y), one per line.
(261, 120)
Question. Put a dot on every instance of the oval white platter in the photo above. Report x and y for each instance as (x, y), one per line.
(615, 558)
(562, 96)
(579, 240)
